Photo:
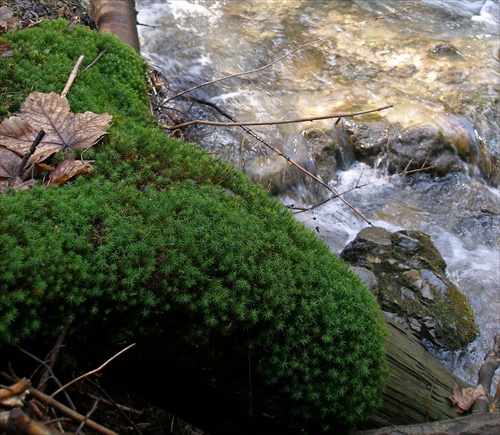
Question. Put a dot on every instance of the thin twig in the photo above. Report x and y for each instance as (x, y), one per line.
(50, 401)
(27, 156)
(291, 161)
(48, 369)
(121, 408)
(391, 14)
(53, 357)
(285, 121)
(241, 73)
(359, 186)
(92, 371)
(72, 76)
(91, 64)
(87, 416)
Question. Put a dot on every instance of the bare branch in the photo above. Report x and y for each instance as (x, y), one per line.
(52, 358)
(359, 186)
(87, 416)
(286, 121)
(72, 76)
(288, 159)
(92, 371)
(91, 64)
(60, 407)
(48, 369)
(391, 14)
(239, 74)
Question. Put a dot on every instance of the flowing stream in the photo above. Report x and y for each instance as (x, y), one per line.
(436, 62)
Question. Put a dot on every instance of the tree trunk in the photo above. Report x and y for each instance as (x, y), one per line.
(117, 17)
(419, 385)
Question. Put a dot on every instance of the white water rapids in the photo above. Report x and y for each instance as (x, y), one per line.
(196, 41)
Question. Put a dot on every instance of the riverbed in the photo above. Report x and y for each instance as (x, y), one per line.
(436, 63)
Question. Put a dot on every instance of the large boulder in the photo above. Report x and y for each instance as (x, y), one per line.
(408, 275)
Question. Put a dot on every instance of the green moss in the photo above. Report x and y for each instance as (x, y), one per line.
(161, 237)
(460, 328)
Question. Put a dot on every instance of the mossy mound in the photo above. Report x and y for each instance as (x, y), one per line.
(161, 237)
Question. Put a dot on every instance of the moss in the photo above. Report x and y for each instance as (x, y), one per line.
(161, 237)
(460, 328)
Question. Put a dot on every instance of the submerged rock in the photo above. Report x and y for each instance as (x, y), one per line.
(408, 275)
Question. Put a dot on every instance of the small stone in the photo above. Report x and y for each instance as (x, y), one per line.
(376, 235)
(407, 243)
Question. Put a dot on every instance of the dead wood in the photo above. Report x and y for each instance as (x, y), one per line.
(419, 385)
(485, 375)
(475, 424)
(72, 77)
(52, 358)
(61, 408)
(276, 122)
(117, 17)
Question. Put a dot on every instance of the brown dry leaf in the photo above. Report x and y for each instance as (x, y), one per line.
(9, 162)
(45, 167)
(69, 131)
(19, 184)
(7, 19)
(64, 130)
(6, 49)
(464, 398)
(68, 168)
(17, 136)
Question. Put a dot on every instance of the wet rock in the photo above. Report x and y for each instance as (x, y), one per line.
(331, 150)
(445, 49)
(442, 145)
(408, 275)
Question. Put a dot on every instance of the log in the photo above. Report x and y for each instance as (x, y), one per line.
(475, 424)
(419, 385)
(117, 17)
(485, 375)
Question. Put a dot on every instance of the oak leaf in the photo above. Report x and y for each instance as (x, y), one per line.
(65, 131)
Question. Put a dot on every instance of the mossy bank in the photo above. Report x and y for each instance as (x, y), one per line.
(161, 237)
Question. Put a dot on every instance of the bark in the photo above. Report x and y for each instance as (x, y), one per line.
(475, 424)
(485, 375)
(419, 385)
(117, 17)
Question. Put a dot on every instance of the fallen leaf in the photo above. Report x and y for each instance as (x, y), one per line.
(65, 131)
(7, 19)
(17, 136)
(464, 398)
(45, 167)
(9, 162)
(6, 49)
(68, 168)
(19, 184)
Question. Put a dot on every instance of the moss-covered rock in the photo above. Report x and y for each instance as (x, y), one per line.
(161, 237)
(412, 284)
